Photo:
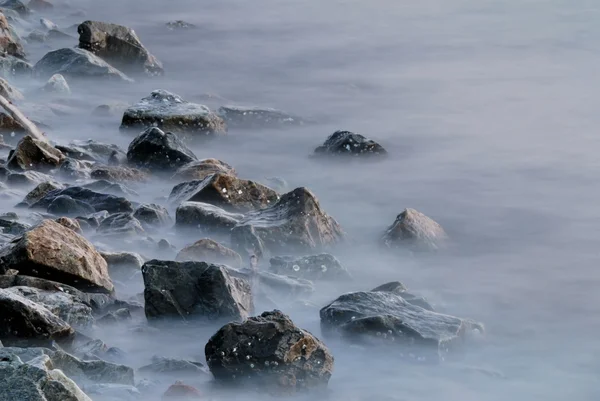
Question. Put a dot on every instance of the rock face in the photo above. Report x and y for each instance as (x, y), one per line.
(27, 323)
(32, 154)
(315, 267)
(99, 201)
(207, 250)
(57, 253)
(256, 117)
(194, 289)
(270, 352)
(201, 169)
(389, 318)
(225, 191)
(349, 144)
(8, 44)
(208, 218)
(119, 46)
(414, 230)
(76, 63)
(170, 112)
(295, 223)
(158, 151)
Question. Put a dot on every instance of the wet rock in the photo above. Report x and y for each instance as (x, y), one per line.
(396, 287)
(11, 66)
(8, 43)
(123, 260)
(170, 365)
(10, 125)
(199, 170)
(40, 5)
(40, 191)
(73, 169)
(170, 112)
(76, 63)
(18, 6)
(13, 227)
(256, 117)
(158, 151)
(315, 267)
(55, 252)
(209, 218)
(295, 223)
(119, 46)
(287, 359)
(32, 154)
(57, 84)
(98, 201)
(92, 371)
(349, 144)
(120, 224)
(90, 150)
(110, 188)
(27, 323)
(71, 224)
(277, 286)
(225, 191)
(194, 289)
(9, 91)
(207, 250)
(119, 174)
(27, 179)
(414, 230)
(64, 205)
(182, 391)
(152, 215)
(120, 315)
(179, 25)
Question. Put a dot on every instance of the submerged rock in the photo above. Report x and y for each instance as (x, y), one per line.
(40, 5)
(18, 6)
(119, 174)
(396, 287)
(179, 25)
(271, 353)
(414, 230)
(170, 365)
(256, 117)
(315, 267)
(27, 179)
(158, 151)
(208, 218)
(13, 227)
(170, 112)
(199, 170)
(123, 260)
(210, 251)
(11, 66)
(350, 144)
(33, 154)
(182, 391)
(99, 201)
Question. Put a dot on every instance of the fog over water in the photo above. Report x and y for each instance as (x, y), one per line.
(489, 111)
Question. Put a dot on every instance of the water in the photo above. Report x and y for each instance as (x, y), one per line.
(489, 112)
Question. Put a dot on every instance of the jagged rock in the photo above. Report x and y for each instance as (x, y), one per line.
(8, 43)
(257, 117)
(286, 359)
(98, 201)
(396, 287)
(13, 227)
(113, 392)
(92, 371)
(170, 112)
(295, 223)
(182, 391)
(57, 84)
(24, 322)
(152, 215)
(71, 224)
(412, 229)
(199, 170)
(225, 191)
(194, 289)
(32, 154)
(11, 66)
(120, 224)
(76, 63)
(179, 25)
(90, 150)
(73, 169)
(118, 45)
(350, 144)
(209, 218)
(40, 5)
(119, 174)
(27, 179)
(169, 365)
(40, 191)
(315, 267)
(9, 91)
(207, 250)
(158, 151)
(64, 205)
(55, 252)
(18, 6)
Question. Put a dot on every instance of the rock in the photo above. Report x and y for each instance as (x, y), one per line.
(225, 191)
(91, 150)
(57, 84)
(170, 365)
(119, 46)
(120, 315)
(47, 24)
(119, 174)
(27, 323)
(350, 144)
(181, 391)
(27, 179)
(64, 205)
(286, 359)
(53, 251)
(58, 35)
(18, 6)
(9, 91)
(158, 151)
(396, 287)
(123, 260)
(32, 154)
(76, 63)
(388, 318)
(13, 227)
(111, 188)
(8, 43)
(9, 125)
(98, 201)
(199, 170)
(40, 5)
(71, 224)
(120, 224)
(207, 250)
(277, 183)
(294, 224)
(152, 215)
(92, 371)
(170, 112)
(40, 191)
(209, 218)
(412, 229)
(194, 289)
(179, 25)
(73, 169)
(315, 267)
(11, 66)
(256, 117)
(37, 36)
(113, 392)
(276, 285)
(112, 109)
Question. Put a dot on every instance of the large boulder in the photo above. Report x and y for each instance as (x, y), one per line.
(412, 229)
(257, 117)
(208, 218)
(225, 191)
(170, 112)
(296, 223)
(24, 322)
(75, 64)
(33, 154)
(8, 43)
(210, 251)
(99, 201)
(323, 266)
(270, 353)
(158, 151)
(199, 170)
(58, 253)
(194, 289)
(346, 143)
(119, 46)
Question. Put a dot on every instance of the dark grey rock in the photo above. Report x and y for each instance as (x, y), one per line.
(90, 150)
(414, 230)
(73, 169)
(98, 201)
(120, 224)
(92, 371)
(179, 25)
(18, 6)
(40, 191)
(110, 188)
(152, 215)
(64, 205)
(208, 218)
(13, 227)
(396, 287)
(28, 179)
(350, 144)
(256, 117)
(11, 66)
(33, 154)
(315, 267)
(118, 174)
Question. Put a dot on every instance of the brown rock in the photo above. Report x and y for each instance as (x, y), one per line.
(8, 44)
(207, 250)
(40, 191)
(414, 229)
(71, 224)
(32, 154)
(179, 391)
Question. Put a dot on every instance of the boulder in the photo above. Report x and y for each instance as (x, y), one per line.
(225, 191)
(33, 154)
(111, 188)
(256, 117)
(57, 84)
(158, 151)
(8, 43)
(271, 353)
(112, 109)
(72, 169)
(152, 215)
(296, 223)
(194, 289)
(207, 250)
(346, 143)
(40, 191)
(123, 260)
(27, 179)
(118, 316)
(9, 125)
(120, 224)
(64, 205)
(92, 371)
(73, 63)
(27, 323)
(10, 92)
(118, 174)
(396, 287)
(90, 150)
(56, 252)
(99, 201)
(170, 112)
(209, 218)
(414, 230)
(119, 46)
(315, 267)
(199, 170)
(276, 286)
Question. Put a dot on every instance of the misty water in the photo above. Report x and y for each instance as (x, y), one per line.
(488, 110)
